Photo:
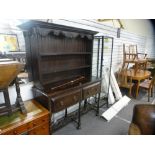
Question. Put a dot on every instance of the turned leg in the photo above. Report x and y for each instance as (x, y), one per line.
(149, 92)
(137, 89)
(79, 116)
(7, 101)
(19, 101)
(152, 91)
(65, 112)
(85, 103)
(130, 91)
(98, 105)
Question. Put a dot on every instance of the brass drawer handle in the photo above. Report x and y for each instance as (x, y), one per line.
(75, 98)
(34, 124)
(61, 103)
(43, 120)
(43, 127)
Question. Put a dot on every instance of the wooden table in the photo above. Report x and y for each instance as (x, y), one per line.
(35, 122)
(138, 76)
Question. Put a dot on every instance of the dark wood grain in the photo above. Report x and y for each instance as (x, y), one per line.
(60, 63)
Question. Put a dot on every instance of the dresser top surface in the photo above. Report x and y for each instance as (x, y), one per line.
(34, 110)
(69, 86)
(41, 24)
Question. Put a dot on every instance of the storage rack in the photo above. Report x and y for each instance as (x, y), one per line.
(100, 56)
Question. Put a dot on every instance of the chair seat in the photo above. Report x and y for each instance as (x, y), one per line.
(145, 84)
(127, 85)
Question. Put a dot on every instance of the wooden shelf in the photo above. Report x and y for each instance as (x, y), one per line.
(64, 53)
(67, 69)
(47, 81)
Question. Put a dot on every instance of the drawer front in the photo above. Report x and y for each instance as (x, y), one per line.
(40, 130)
(19, 130)
(28, 126)
(39, 121)
(67, 100)
(91, 90)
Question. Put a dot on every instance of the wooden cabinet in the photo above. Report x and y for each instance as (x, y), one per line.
(35, 122)
(57, 53)
(60, 64)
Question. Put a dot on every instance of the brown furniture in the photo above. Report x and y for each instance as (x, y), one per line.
(60, 64)
(35, 122)
(9, 71)
(139, 76)
(124, 81)
(131, 55)
(148, 84)
(143, 121)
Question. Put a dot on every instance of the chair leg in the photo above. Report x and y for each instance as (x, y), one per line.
(152, 92)
(149, 95)
(130, 92)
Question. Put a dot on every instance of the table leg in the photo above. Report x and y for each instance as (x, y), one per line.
(137, 90)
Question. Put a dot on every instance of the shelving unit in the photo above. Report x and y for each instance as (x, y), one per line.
(60, 64)
(56, 52)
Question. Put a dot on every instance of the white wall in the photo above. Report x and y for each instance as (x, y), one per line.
(125, 37)
(145, 28)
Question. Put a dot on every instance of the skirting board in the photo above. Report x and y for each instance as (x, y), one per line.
(115, 108)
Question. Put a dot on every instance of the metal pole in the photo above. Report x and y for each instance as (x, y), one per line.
(102, 50)
(98, 56)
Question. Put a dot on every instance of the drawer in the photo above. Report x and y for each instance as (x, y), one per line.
(40, 130)
(28, 126)
(65, 100)
(39, 121)
(91, 90)
(19, 130)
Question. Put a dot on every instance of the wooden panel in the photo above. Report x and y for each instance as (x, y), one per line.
(53, 52)
(65, 100)
(19, 123)
(40, 130)
(40, 120)
(91, 90)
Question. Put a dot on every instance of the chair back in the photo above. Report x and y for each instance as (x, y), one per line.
(129, 52)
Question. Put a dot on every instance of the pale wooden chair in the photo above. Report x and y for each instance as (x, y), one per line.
(148, 85)
(132, 56)
(124, 81)
(129, 54)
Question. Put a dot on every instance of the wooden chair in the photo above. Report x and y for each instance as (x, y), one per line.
(143, 120)
(131, 55)
(124, 81)
(148, 85)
